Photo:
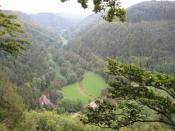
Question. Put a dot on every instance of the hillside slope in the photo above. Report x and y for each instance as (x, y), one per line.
(147, 42)
(151, 11)
(143, 11)
(44, 66)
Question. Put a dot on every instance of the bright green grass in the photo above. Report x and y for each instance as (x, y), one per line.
(94, 84)
(72, 92)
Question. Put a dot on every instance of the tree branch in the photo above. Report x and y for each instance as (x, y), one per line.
(171, 94)
(163, 113)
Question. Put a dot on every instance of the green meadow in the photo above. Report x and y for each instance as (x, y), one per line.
(87, 90)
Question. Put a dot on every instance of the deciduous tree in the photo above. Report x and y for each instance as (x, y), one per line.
(10, 35)
(135, 95)
(112, 7)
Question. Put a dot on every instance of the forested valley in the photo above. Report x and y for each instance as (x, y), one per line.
(76, 73)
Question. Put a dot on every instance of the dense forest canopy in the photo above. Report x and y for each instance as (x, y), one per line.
(151, 11)
(147, 42)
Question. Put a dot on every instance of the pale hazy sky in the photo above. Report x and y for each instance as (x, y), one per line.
(37, 6)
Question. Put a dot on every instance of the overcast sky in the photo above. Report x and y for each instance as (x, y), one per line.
(37, 6)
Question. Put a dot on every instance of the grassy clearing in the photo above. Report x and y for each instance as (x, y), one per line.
(92, 85)
(73, 92)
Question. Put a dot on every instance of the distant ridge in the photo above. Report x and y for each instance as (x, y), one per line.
(151, 11)
(60, 21)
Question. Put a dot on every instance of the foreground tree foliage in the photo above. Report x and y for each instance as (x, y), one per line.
(10, 39)
(11, 104)
(112, 7)
(51, 121)
(135, 95)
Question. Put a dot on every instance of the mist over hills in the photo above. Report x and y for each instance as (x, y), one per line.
(67, 24)
(63, 69)
(62, 23)
(146, 39)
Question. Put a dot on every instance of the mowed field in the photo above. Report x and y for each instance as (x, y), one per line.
(87, 90)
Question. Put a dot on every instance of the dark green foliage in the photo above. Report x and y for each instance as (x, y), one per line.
(83, 3)
(97, 5)
(11, 104)
(148, 44)
(55, 96)
(72, 66)
(146, 40)
(112, 7)
(113, 12)
(10, 40)
(137, 96)
(69, 106)
(33, 71)
(44, 65)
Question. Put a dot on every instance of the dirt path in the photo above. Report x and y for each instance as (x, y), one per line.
(84, 92)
